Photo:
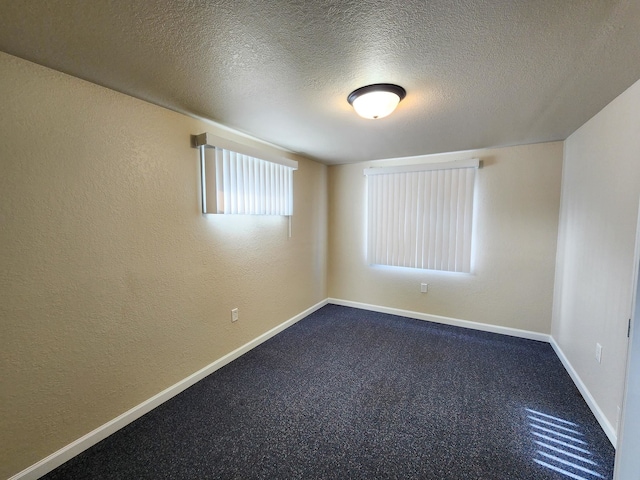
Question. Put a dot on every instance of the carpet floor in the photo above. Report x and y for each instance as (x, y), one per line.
(352, 394)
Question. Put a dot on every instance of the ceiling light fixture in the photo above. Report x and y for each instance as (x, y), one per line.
(377, 100)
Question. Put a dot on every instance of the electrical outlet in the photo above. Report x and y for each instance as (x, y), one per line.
(599, 353)
(234, 315)
(424, 287)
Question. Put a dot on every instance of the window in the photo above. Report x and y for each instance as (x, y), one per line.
(250, 186)
(236, 182)
(421, 216)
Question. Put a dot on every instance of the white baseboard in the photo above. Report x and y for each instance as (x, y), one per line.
(56, 459)
(514, 332)
(591, 402)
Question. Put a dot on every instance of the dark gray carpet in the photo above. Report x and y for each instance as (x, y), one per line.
(348, 394)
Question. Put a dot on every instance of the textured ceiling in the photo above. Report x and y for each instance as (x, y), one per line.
(478, 73)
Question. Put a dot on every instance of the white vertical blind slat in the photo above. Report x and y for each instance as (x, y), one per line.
(459, 225)
(375, 219)
(371, 227)
(271, 192)
(432, 219)
(439, 220)
(420, 205)
(381, 219)
(468, 215)
(412, 222)
(219, 156)
(386, 220)
(227, 181)
(262, 195)
(453, 220)
(398, 214)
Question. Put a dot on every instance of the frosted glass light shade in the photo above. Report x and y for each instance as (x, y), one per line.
(376, 101)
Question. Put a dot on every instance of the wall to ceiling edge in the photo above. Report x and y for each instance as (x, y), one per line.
(113, 285)
(596, 241)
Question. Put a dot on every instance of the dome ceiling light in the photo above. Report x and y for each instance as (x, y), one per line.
(377, 100)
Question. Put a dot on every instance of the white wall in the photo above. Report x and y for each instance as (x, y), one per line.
(594, 271)
(517, 204)
(113, 285)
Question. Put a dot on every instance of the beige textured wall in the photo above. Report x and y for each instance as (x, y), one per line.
(112, 285)
(595, 265)
(517, 204)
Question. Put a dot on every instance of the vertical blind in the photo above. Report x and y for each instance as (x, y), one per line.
(251, 186)
(421, 216)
